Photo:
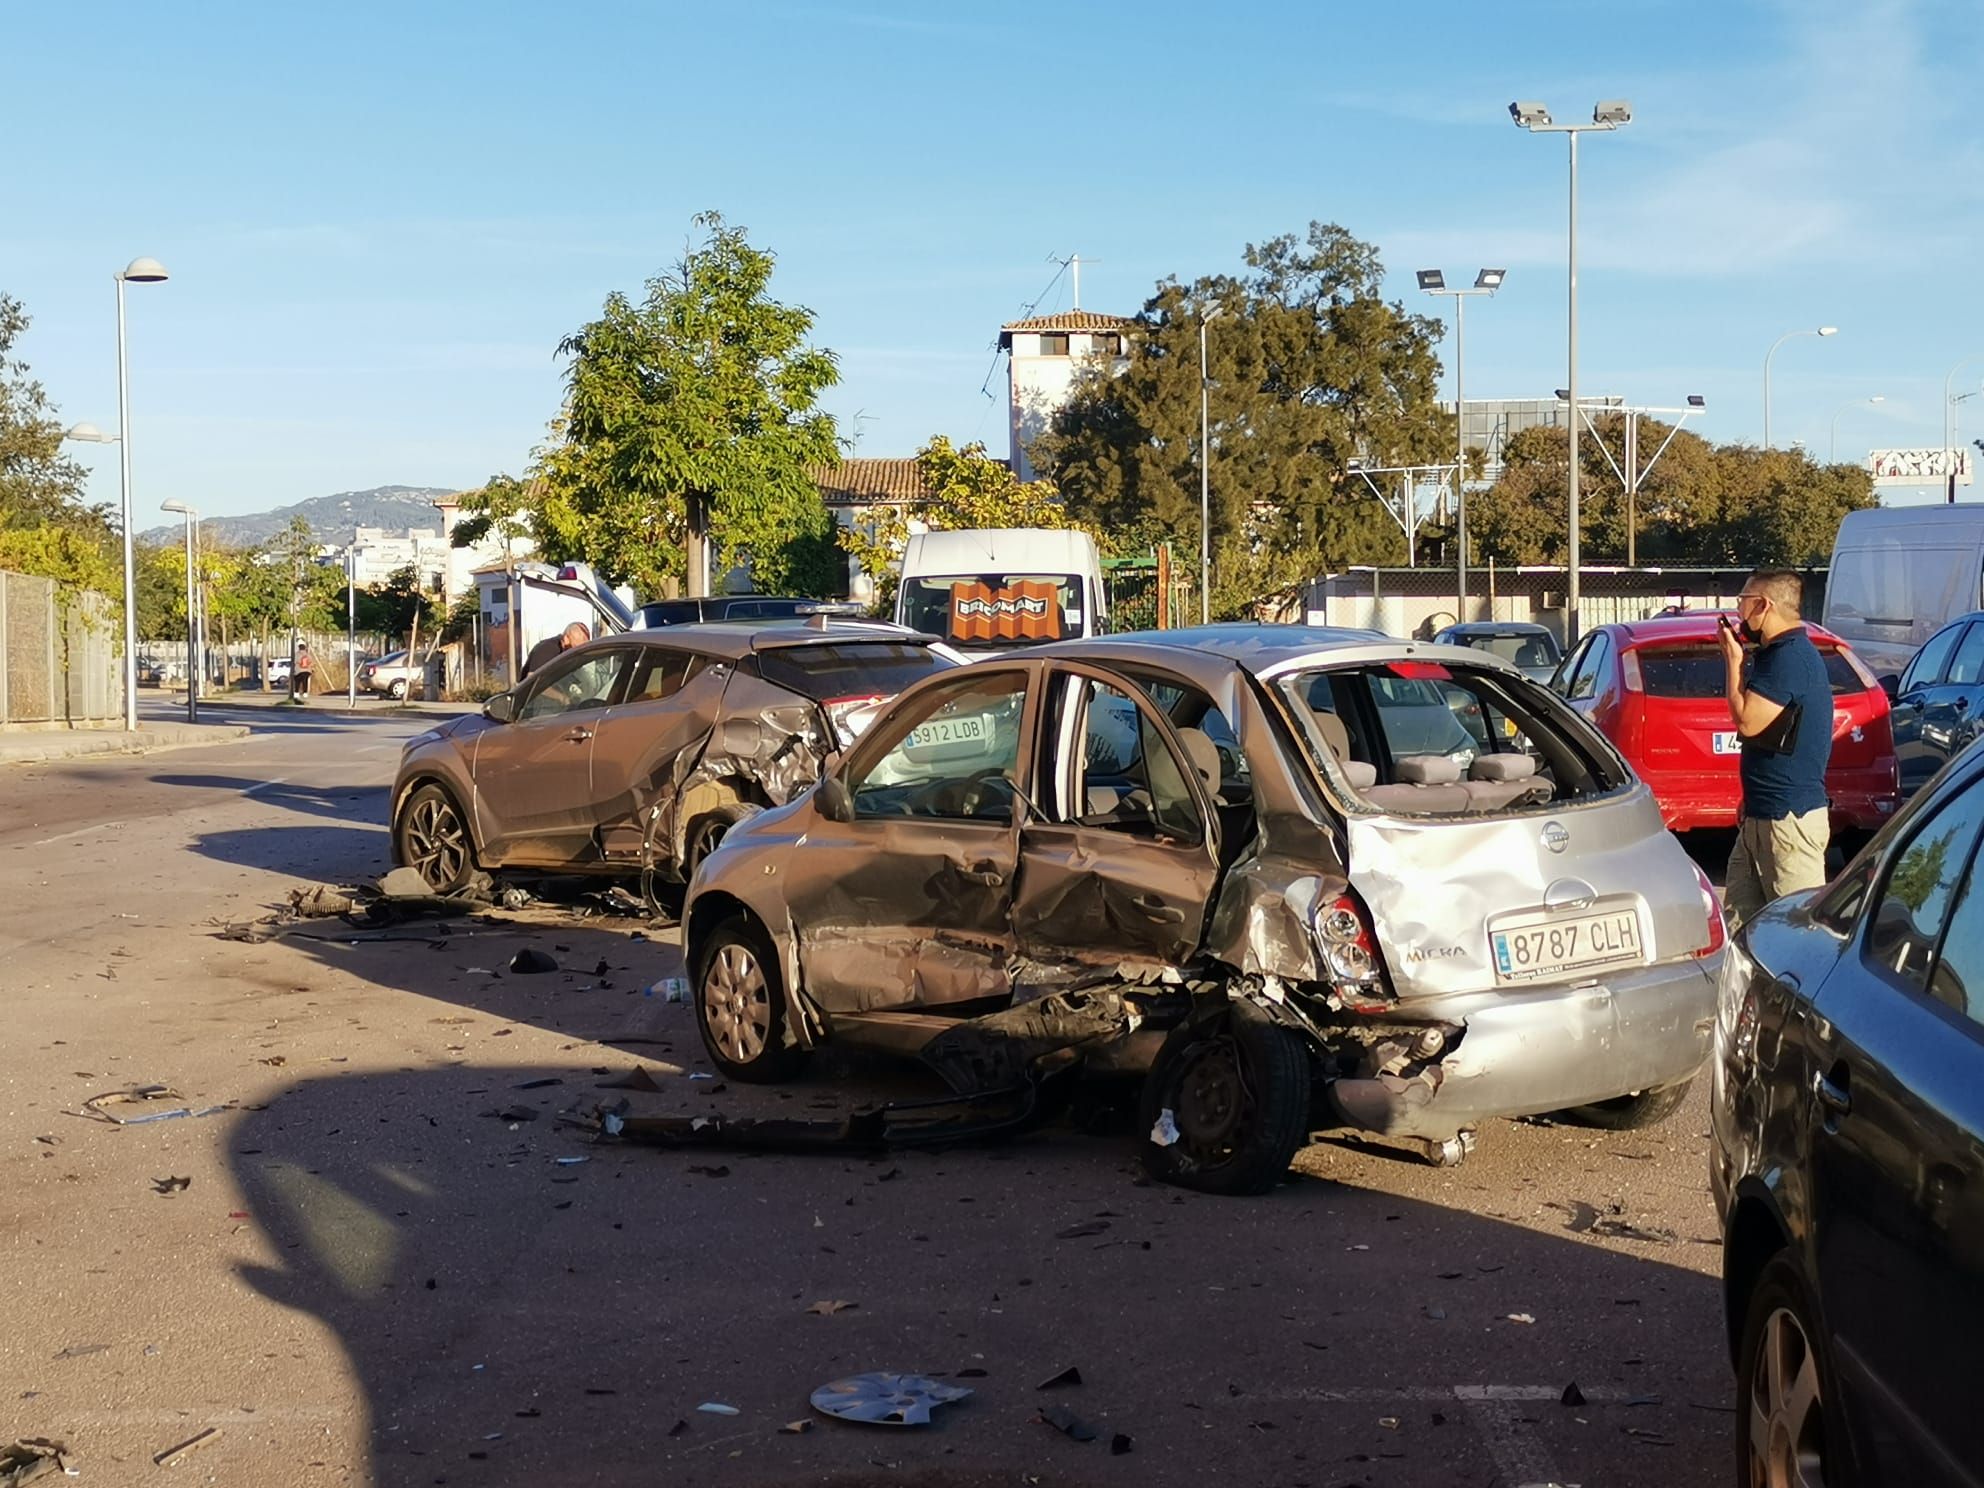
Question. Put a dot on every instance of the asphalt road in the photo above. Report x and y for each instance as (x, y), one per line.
(368, 1278)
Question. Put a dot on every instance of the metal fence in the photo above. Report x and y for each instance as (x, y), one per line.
(61, 654)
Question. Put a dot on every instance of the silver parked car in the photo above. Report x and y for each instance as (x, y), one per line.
(1288, 893)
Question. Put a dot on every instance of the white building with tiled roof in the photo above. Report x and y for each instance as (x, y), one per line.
(1044, 353)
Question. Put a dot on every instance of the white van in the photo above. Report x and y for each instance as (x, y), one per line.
(1899, 573)
(992, 589)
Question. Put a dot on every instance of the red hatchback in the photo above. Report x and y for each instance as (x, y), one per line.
(1655, 689)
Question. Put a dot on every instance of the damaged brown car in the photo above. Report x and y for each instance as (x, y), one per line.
(1301, 878)
(635, 753)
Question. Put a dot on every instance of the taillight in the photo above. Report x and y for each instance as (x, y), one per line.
(1629, 670)
(1718, 933)
(850, 715)
(1350, 955)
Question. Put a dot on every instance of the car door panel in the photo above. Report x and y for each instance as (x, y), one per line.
(1097, 892)
(534, 799)
(1897, 1111)
(918, 916)
(672, 702)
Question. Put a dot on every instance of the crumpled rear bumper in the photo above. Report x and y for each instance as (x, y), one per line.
(1526, 1052)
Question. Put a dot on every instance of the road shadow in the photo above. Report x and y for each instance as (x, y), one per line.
(523, 1306)
(340, 802)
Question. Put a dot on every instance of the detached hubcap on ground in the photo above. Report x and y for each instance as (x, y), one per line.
(737, 1004)
(1787, 1418)
(436, 846)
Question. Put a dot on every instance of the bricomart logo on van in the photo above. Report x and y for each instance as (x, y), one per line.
(1016, 605)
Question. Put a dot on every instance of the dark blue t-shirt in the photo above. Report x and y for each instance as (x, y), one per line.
(1790, 671)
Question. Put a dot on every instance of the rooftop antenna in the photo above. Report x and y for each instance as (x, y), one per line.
(1075, 262)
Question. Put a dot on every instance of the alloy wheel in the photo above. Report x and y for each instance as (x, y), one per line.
(737, 1003)
(1787, 1415)
(436, 844)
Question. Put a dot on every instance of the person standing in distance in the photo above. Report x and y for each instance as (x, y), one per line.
(1783, 715)
(551, 647)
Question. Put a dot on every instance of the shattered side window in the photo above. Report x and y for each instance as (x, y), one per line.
(1128, 779)
(953, 754)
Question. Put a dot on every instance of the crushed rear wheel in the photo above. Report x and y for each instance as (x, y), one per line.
(1226, 1105)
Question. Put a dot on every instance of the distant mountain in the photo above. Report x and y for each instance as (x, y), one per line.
(332, 518)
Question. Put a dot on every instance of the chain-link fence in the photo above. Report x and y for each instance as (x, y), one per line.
(1148, 593)
(61, 654)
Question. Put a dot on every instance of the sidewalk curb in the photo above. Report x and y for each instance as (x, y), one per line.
(79, 746)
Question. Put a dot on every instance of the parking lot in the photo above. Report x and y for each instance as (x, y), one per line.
(378, 1270)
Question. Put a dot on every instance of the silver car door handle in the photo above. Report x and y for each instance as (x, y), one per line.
(579, 735)
(1154, 908)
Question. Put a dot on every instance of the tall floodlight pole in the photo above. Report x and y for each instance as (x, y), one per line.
(351, 625)
(138, 271)
(1485, 283)
(1610, 114)
(1205, 471)
(1787, 336)
(180, 508)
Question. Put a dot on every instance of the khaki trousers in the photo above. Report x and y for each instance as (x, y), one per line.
(1775, 858)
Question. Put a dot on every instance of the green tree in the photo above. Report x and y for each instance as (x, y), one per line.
(1309, 368)
(46, 527)
(1702, 503)
(966, 488)
(692, 414)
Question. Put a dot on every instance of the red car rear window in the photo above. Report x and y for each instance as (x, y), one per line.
(1696, 672)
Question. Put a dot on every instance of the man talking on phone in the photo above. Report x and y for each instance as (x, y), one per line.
(1783, 715)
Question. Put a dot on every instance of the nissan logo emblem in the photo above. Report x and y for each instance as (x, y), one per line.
(1555, 837)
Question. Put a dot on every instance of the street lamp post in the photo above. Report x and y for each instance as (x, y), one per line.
(1205, 477)
(1485, 283)
(1832, 438)
(1608, 115)
(180, 508)
(138, 271)
(1788, 335)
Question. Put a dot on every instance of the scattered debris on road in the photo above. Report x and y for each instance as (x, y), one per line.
(1067, 1423)
(97, 1106)
(31, 1459)
(717, 1408)
(885, 1399)
(530, 961)
(170, 1186)
(1069, 1376)
(192, 1444)
(828, 1309)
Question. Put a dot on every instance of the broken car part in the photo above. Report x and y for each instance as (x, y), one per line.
(884, 1399)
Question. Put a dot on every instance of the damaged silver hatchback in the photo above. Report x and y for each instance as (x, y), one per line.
(1301, 878)
(636, 753)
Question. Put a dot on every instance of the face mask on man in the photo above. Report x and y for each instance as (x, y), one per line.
(1747, 624)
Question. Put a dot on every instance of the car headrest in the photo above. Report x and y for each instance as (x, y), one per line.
(1359, 775)
(1203, 754)
(1428, 769)
(1502, 767)
(1334, 733)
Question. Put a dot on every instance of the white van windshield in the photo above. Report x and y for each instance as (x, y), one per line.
(996, 610)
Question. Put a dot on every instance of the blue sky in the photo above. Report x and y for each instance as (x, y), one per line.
(380, 219)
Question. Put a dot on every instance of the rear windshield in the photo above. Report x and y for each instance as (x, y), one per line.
(1697, 672)
(1517, 650)
(849, 669)
(1425, 738)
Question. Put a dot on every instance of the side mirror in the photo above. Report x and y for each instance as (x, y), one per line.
(831, 796)
(502, 708)
(1891, 685)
